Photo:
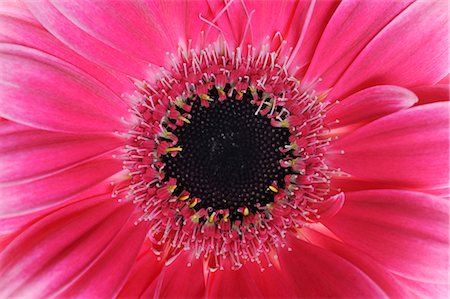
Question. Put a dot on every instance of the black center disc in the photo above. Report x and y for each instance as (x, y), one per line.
(230, 155)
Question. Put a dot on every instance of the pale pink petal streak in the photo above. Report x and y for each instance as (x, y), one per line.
(405, 231)
(58, 248)
(19, 199)
(371, 103)
(411, 50)
(42, 153)
(19, 30)
(51, 94)
(352, 26)
(409, 148)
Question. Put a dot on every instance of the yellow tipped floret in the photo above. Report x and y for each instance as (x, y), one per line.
(246, 211)
(273, 189)
(184, 198)
(193, 203)
(174, 149)
(184, 119)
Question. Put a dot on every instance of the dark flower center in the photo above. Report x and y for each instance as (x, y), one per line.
(230, 156)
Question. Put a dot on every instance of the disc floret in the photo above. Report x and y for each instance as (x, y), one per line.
(225, 233)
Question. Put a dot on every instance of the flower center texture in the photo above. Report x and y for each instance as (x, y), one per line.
(226, 155)
(230, 156)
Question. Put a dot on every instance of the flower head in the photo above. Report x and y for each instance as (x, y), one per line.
(224, 149)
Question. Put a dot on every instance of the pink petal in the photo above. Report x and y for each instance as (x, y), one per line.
(182, 23)
(189, 280)
(252, 282)
(32, 196)
(386, 59)
(409, 148)
(30, 153)
(320, 236)
(127, 26)
(234, 284)
(22, 31)
(406, 232)
(353, 25)
(319, 273)
(144, 271)
(63, 245)
(430, 94)
(420, 290)
(79, 38)
(371, 103)
(105, 277)
(51, 94)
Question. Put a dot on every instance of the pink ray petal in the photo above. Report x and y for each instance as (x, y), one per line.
(353, 25)
(319, 273)
(371, 103)
(322, 237)
(105, 277)
(405, 231)
(409, 148)
(58, 248)
(145, 270)
(433, 93)
(42, 153)
(19, 199)
(127, 26)
(386, 59)
(61, 98)
(182, 22)
(91, 47)
(21, 31)
(189, 280)
(420, 290)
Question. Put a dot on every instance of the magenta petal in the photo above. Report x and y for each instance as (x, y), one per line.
(371, 103)
(406, 232)
(19, 199)
(130, 27)
(420, 290)
(143, 273)
(108, 273)
(434, 93)
(51, 94)
(423, 27)
(181, 22)
(350, 29)
(58, 248)
(20, 30)
(28, 153)
(79, 40)
(319, 273)
(409, 148)
(189, 280)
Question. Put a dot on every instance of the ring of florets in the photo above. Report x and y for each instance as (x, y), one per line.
(165, 105)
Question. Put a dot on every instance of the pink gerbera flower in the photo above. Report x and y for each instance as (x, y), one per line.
(224, 149)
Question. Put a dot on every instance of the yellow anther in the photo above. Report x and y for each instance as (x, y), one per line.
(284, 123)
(226, 217)
(193, 203)
(205, 97)
(184, 198)
(184, 119)
(172, 188)
(211, 218)
(167, 134)
(246, 211)
(179, 102)
(252, 88)
(273, 189)
(174, 149)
